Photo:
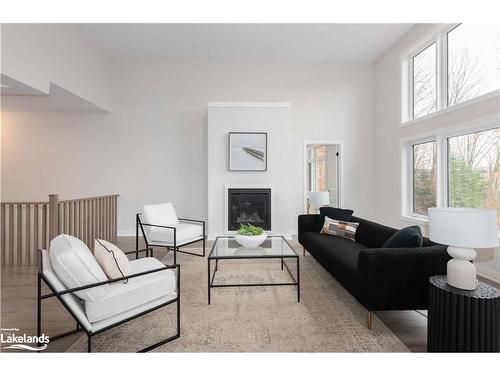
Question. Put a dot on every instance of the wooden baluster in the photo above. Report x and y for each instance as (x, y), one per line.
(18, 256)
(53, 216)
(35, 232)
(11, 235)
(29, 251)
(45, 243)
(2, 233)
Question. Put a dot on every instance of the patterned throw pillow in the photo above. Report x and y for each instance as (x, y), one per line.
(338, 228)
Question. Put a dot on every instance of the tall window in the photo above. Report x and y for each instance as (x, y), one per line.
(473, 61)
(424, 82)
(455, 169)
(474, 170)
(458, 64)
(424, 177)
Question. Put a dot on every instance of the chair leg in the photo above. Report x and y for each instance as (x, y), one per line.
(203, 245)
(89, 343)
(369, 319)
(136, 238)
(303, 251)
(175, 255)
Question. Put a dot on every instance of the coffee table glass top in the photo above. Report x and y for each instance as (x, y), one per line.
(272, 247)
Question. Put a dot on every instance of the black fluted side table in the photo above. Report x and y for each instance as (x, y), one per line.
(462, 320)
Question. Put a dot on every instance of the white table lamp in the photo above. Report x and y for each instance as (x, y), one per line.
(463, 230)
(318, 199)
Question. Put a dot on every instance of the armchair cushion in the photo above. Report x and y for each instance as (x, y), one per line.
(185, 232)
(75, 266)
(74, 303)
(136, 292)
(161, 214)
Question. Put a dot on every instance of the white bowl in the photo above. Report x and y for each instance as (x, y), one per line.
(250, 241)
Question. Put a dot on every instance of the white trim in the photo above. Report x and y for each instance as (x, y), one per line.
(249, 104)
(487, 273)
(246, 186)
(340, 169)
(415, 220)
(456, 107)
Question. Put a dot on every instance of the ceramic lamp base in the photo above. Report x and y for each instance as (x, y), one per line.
(461, 273)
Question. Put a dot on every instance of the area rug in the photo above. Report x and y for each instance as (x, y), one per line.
(253, 319)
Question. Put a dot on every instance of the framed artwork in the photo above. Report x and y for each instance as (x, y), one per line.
(247, 151)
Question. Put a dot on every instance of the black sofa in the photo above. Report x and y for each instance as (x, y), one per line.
(379, 278)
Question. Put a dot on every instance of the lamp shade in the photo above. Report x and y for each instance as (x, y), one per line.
(473, 228)
(319, 198)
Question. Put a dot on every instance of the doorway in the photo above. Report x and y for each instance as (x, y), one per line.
(322, 172)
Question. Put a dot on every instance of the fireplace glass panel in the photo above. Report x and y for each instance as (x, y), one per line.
(249, 206)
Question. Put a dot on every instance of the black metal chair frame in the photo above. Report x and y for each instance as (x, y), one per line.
(175, 247)
(80, 327)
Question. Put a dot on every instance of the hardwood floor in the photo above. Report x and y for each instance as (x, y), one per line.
(18, 310)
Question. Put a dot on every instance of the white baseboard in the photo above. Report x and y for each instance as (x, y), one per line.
(488, 273)
(127, 233)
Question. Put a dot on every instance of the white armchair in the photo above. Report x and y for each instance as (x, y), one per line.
(97, 303)
(160, 227)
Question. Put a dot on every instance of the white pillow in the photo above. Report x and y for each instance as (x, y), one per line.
(75, 266)
(161, 214)
(112, 260)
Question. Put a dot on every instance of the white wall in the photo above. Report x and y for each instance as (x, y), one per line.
(284, 163)
(152, 147)
(37, 54)
(389, 134)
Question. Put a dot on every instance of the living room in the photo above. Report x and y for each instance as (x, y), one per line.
(322, 185)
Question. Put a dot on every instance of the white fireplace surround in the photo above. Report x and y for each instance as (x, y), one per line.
(226, 208)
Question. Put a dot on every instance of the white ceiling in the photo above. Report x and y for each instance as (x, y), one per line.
(246, 42)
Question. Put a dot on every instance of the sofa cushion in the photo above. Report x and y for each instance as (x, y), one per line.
(334, 253)
(136, 292)
(406, 237)
(185, 232)
(75, 266)
(112, 260)
(343, 229)
(333, 213)
(161, 214)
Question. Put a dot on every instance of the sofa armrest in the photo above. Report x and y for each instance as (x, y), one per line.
(307, 223)
(405, 269)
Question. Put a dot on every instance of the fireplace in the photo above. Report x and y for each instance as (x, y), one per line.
(249, 206)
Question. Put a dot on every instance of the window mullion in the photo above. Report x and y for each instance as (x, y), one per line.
(410, 89)
(442, 71)
(441, 190)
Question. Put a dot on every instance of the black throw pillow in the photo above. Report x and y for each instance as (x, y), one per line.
(406, 237)
(333, 213)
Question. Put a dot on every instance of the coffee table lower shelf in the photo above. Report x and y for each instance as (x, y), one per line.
(296, 278)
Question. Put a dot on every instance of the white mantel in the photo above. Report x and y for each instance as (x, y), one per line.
(285, 162)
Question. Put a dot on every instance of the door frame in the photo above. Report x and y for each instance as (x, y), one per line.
(340, 169)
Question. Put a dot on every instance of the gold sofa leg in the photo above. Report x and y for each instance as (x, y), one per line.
(369, 319)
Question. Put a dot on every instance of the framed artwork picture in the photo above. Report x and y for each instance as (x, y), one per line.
(247, 151)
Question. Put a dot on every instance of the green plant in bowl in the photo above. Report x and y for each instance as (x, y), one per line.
(250, 230)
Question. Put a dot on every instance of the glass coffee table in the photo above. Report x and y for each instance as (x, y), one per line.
(274, 247)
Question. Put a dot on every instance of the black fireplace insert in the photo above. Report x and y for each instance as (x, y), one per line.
(249, 206)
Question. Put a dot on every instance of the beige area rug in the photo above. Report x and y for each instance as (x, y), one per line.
(253, 319)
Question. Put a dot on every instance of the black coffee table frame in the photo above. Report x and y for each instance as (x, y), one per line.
(211, 276)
